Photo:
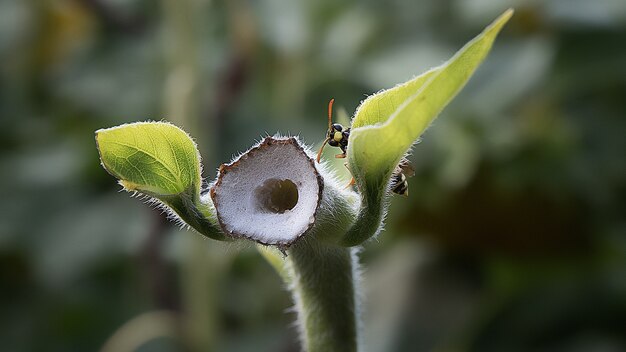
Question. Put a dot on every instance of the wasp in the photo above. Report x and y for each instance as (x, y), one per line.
(338, 136)
(399, 183)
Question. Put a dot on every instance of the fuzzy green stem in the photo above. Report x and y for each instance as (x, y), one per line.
(324, 286)
(195, 214)
(370, 217)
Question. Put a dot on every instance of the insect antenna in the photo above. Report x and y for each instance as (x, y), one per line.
(330, 112)
(330, 122)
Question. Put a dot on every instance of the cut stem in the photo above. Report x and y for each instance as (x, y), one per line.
(324, 286)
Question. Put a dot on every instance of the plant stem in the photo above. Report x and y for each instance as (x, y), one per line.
(324, 286)
(371, 213)
(195, 214)
(200, 269)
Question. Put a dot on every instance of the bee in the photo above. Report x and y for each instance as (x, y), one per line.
(399, 183)
(338, 136)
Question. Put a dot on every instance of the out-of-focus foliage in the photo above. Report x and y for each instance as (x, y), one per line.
(513, 237)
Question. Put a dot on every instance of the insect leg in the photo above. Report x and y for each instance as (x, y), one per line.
(319, 153)
(352, 180)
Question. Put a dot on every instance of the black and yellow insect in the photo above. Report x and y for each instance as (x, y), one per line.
(399, 183)
(337, 136)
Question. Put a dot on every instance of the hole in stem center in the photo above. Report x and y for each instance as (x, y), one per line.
(277, 196)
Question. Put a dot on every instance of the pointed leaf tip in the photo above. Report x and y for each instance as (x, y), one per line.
(387, 124)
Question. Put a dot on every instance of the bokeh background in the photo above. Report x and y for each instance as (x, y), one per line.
(513, 237)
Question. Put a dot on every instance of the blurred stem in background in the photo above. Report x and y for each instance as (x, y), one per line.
(203, 263)
(144, 327)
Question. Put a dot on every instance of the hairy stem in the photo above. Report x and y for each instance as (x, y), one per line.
(324, 285)
(195, 214)
(370, 217)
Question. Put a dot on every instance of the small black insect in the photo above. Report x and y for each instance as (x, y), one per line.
(399, 183)
(336, 136)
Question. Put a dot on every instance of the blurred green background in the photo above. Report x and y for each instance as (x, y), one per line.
(513, 237)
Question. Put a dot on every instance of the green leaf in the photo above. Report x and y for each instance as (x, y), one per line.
(387, 124)
(162, 161)
(155, 158)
